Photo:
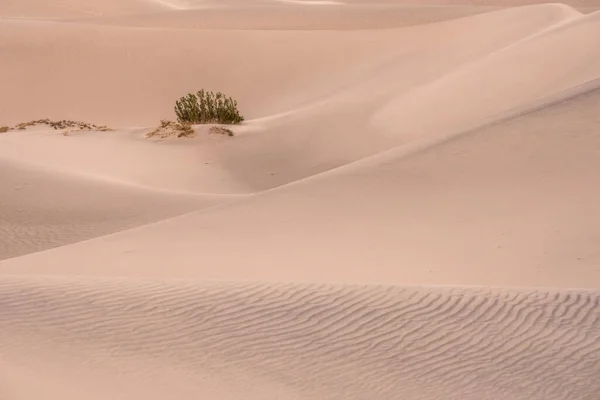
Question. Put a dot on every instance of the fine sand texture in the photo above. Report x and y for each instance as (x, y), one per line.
(409, 211)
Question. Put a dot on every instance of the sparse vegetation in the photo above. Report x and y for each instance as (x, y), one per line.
(171, 128)
(4, 129)
(207, 107)
(63, 124)
(220, 130)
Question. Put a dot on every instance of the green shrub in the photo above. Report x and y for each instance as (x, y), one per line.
(207, 107)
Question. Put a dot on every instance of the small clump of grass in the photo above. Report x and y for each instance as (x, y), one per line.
(64, 124)
(220, 130)
(170, 128)
(4, 129)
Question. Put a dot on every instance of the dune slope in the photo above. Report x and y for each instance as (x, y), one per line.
(493, 206)
(42, 209)
(139, 87)
(291, 341)
(57, 9)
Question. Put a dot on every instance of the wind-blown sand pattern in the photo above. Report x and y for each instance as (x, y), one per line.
(309, 341)
(409, 211)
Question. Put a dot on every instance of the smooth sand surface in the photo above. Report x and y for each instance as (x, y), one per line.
(409, 211)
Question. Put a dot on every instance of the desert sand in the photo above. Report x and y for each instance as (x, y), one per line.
(409, 211)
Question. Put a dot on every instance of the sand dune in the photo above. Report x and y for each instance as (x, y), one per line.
(139, 87)
(163, 165)
(134, 88)
(293, 341)
(53, 9)
(42, 209)
(408, 211)
(276, 17)
(311, 95)
(491, 207)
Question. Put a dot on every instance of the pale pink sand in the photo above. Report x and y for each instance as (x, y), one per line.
(410, 210)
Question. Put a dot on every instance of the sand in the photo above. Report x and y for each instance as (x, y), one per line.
(408, 211)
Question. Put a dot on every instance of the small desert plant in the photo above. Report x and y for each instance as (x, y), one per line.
(63, 124)
(3, 129)
(220, 130)
(170, 128)
(207, 107)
